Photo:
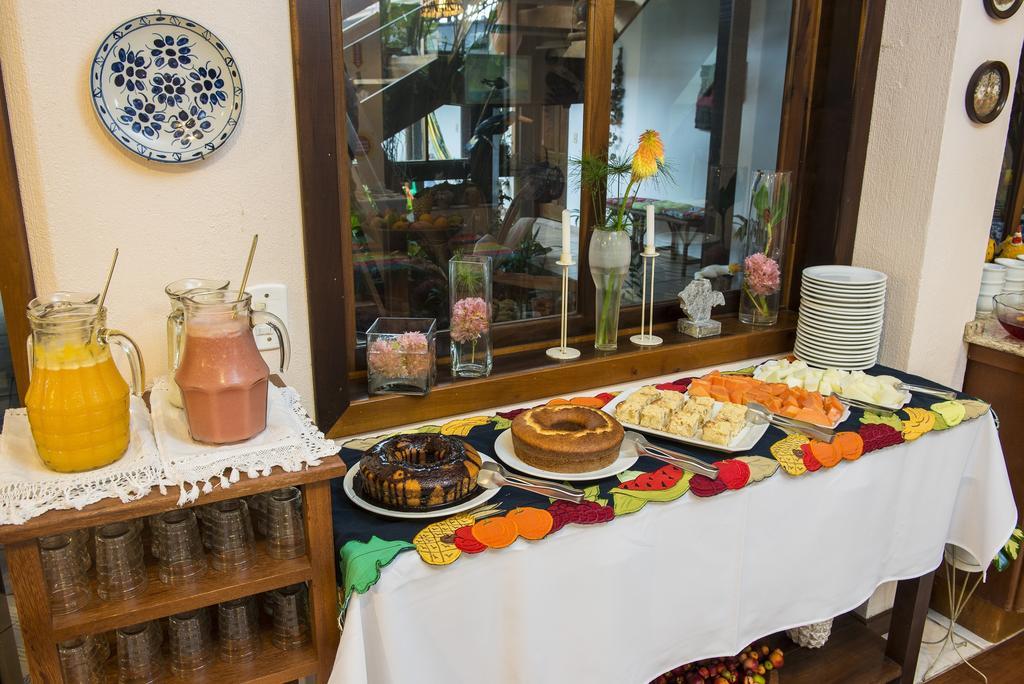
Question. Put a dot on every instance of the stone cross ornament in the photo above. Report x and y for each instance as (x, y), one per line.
(696, 301)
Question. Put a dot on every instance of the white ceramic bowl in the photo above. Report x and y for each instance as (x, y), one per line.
(1011, 263)
(991, 288)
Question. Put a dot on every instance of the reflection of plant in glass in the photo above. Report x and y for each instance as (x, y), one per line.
(403, 356)
(524, 258)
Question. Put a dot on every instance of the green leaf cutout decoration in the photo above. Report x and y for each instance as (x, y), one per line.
(940, 422)
(624, 504)
(952, 412)
(501, 423)
(892, 421)
(361, 562)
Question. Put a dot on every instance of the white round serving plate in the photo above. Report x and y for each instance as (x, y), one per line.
(823, 348)
(826, 362)
(842, 361)
(859, 309)
(844, 275)
(166, 88)
(815, 286)
(349, 485)
(843, 323)
(506, 453)
(843, 302)
(829, 336)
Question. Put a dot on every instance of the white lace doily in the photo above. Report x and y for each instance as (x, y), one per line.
(290, 441)
(28, 488)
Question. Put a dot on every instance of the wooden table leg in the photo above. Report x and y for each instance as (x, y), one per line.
(33, 605)
(909, 613)
(323, 589)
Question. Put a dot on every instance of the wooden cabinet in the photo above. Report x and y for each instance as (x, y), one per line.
(42, 630)
(997, 609)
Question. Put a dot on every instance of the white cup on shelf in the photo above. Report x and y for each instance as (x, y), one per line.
(985, 304)
(1011, 264)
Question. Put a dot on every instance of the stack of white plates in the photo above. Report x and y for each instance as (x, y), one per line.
(841, 313)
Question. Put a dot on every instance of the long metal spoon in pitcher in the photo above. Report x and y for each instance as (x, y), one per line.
(493, 476)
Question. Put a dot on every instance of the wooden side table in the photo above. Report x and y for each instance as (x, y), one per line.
(42, 630)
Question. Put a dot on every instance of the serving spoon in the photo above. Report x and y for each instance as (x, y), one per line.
(493, 476)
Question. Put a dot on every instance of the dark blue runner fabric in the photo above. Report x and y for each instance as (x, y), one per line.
(353, 523)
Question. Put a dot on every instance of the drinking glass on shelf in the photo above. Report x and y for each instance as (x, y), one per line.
(291, 617)
(64, 572)
(188, 635)
(286, 536)
(83, 539)
(120, 570)
(138, 653)
(237, 623)
(258, 512)
(80, 661)
(227, 530)
(181, 551)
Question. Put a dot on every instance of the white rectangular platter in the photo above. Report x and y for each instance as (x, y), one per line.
(743, 441)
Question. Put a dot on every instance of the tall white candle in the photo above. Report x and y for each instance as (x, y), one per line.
(566, 237)
(650, 229)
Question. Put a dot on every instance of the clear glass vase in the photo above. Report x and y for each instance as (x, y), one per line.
(469, 287)
(400, 356)
(767, 225)
(609, 264)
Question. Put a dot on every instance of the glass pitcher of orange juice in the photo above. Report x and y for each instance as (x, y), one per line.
(77, 401)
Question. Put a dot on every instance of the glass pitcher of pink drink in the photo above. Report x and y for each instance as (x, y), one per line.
(176, 292)
(222, 376)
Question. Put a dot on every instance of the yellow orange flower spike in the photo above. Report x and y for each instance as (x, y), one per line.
(650, 155)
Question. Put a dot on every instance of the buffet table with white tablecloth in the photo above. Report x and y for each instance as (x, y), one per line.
(691, 578)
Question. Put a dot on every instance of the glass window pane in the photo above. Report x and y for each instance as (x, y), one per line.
(666, 63)
(463, 116)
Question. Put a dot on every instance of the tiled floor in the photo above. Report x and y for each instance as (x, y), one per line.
(936, 658)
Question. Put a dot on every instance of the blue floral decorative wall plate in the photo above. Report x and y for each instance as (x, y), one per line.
(166, 88)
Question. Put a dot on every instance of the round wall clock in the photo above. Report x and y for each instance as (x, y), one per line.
(987, 92)
(166, 88)
(1002, 9)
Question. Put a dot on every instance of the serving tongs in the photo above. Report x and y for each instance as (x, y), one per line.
(493, 476)
(678, 459)
(865, 405)
(930, 391)
(759, 414)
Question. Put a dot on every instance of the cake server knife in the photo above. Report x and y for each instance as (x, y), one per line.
(493, 476)
(680, 460)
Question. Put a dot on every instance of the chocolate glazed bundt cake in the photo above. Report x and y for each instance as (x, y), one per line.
(418, 472)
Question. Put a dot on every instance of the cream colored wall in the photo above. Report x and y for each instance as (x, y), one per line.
(84, 194)
(930, 178)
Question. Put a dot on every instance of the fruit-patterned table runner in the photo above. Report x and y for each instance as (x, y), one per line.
(367, 542)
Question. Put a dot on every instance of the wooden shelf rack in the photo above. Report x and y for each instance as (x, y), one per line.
(42, 630)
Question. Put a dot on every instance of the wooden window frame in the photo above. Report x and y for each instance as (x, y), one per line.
(827, 107)
(828, 95)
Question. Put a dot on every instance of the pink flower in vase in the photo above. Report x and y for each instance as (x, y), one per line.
(471, 318)
(384, 358)
(415, 349)
(762, 274)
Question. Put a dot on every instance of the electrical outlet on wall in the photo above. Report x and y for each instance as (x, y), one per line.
(272, 298)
